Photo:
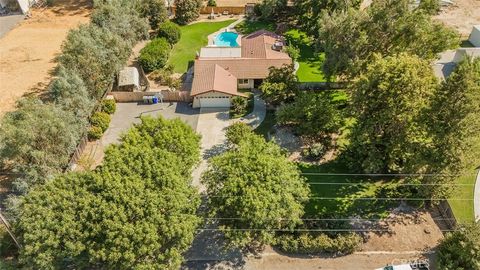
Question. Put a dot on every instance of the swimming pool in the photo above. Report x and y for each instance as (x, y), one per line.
(226, 39)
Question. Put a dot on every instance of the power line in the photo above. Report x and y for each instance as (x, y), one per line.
(385, 174)
(396, 184)
(359, 198)
(327, 219)
(302, 230)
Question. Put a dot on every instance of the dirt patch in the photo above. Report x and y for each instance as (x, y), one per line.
(235, 3)
(407, 231)
(412, 237)
(462, 16)
(28, 51)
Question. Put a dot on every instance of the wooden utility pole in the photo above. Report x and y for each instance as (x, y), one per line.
(7, 226)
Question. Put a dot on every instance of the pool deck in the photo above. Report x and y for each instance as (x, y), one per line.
(229, 28)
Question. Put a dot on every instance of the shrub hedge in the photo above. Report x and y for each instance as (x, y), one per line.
(321, 243)
(109, 106)
(170, 31)
(101, 120)
(155, 54)
(94, 133)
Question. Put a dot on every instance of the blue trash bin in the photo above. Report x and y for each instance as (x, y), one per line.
(155, 99)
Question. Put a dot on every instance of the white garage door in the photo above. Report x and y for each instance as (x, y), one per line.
(214, 102)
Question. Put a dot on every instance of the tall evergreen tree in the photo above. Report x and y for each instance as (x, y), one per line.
(388, 102)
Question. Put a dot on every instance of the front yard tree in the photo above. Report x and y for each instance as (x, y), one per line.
(454, 122)
(280, 85)
(388, 27)
(460, 249)
(108, 221)
(388, 102)
(312, 115)
(255, 184)
(187, 11)
(136, 211)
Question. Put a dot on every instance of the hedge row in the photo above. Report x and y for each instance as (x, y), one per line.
(38, 138)
(310, 243)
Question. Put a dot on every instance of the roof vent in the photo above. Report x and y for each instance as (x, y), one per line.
(278, 46)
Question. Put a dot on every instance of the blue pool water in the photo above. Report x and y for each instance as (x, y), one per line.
(226, 39)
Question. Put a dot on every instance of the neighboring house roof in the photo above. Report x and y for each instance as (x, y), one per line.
(213, 78)
(129, 76)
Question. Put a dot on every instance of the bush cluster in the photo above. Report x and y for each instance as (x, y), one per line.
(155, 54)
(109, 106)
(39, 138)
(321, 243)
(170, 31)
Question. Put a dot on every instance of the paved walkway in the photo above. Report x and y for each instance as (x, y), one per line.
(9, 22)
(476, 198)
(257, 116)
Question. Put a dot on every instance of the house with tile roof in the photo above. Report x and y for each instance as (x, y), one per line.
(220, 71)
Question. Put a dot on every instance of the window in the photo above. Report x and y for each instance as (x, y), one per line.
(242, 81)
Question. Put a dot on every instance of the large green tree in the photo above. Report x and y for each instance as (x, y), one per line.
(280, 85)
(36, 141)
(388, 102)
(460, 250)
(257, 190)
(154, 10)
(308, 12)
(137, 211)
(70, 93)
(313, 115)
(454, 124)
(172, 135)
(122, 19)
(96, 54)
(351, 38)
(186, 11)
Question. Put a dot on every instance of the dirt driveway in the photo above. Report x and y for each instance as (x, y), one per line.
(462, 16)
(27, 52)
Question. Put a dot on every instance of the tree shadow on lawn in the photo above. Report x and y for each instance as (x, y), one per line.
(351, 195)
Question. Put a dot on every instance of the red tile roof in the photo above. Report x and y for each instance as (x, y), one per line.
(213, 78)
(220, 74)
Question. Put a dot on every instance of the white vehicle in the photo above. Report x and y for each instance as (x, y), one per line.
(405, 267)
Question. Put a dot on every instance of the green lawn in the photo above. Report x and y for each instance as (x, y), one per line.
(247, 27)
(463, 210)
(310, 69)
(346, 188)
(267, 124)
(194, 37)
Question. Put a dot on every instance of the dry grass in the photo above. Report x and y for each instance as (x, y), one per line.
(28, 51)
(461, 16)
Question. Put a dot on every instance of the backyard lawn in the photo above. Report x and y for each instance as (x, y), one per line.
(247, 27)
(463, 210)
(346, 188)
(194, 37)
(310, 69)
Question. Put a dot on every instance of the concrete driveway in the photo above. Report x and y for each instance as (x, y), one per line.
(129, 113)
(212, 123)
